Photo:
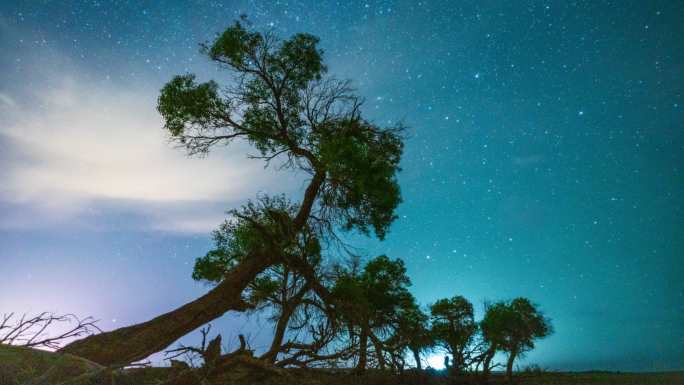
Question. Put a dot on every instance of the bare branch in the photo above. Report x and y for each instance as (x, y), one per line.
(33, 331)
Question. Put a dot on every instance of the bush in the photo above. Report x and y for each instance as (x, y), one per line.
(533, 370)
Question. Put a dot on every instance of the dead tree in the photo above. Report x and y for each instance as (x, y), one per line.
(206, 352)
(209, 351)
(46, 330)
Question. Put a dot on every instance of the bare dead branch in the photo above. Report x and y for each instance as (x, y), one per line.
(35, 331)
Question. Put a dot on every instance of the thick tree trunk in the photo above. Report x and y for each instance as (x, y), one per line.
(416, 356)
(129, 344)
(363, 349)
(509, 365)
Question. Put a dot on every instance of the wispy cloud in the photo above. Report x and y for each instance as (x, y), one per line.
(78, 146)
(6, 101)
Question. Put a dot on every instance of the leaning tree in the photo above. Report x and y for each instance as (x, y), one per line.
(280, 100)
(368, 302)
(512, 327)
(279, 289)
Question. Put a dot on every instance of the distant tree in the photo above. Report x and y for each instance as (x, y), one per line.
(453, 328)
(281, 102)
(493, 327)
(512, 327)
(369, 301)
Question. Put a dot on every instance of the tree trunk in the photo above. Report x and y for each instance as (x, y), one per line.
(486, 365)
(363, 348)
(399, 364)
(509, 365)
(281, 327)
(378, 351)
(416, 356)
(456, 362)
(133, 343)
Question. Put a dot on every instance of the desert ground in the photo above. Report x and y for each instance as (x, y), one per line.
(23, 366)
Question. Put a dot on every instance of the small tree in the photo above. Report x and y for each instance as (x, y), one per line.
(512, 327)
(453, 328)
(369, 301)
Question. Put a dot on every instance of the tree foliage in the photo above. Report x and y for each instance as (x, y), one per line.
(370, 301)
(513, 327)
(283, 103)
(453, 327)
(255, 229)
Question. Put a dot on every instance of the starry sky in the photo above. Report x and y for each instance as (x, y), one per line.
(544, 159)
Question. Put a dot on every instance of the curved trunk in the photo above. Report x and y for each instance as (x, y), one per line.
(509, 365)
(416, 356)
(133, 343)
(281, 326)
(278, 336)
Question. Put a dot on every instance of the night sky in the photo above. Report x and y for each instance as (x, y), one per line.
(544, 159)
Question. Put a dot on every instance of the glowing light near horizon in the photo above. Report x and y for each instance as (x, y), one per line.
(435, 361)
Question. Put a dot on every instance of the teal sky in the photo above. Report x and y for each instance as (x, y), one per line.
(543, 159)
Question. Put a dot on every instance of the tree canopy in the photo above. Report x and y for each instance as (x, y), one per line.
(277, 97)
(370, 301)
(281, 100)
(513, 327)
(453, 327)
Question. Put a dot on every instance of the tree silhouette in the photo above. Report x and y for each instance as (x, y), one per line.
(369, 301)
(453, 328)
(273, 252)
(279, 289)
(512, 327)
(493, 327)
(282, 103)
